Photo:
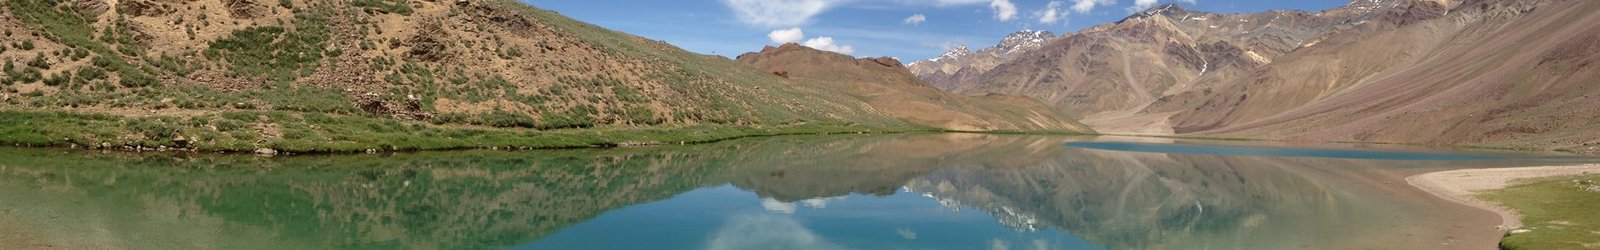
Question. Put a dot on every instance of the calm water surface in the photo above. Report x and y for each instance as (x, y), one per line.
(933, 191)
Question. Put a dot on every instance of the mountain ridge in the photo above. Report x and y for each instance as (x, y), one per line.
(370, 75)
(1278, 74)
(888, 85)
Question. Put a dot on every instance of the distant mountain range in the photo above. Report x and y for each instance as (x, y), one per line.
(1497, 73)
(948, 70)
(888, 86)
(350, 76)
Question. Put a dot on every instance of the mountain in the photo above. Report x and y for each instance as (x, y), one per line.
(888, 86)
(335, 75)
(1495, 73)
(960, 63)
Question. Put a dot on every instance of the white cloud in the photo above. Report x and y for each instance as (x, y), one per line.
(777, 206)
(783, 36)
(766, 232)
(906, 233)
(1051, 13)
(1004, 10)
(826, 44)
(779, 13)
(820, 203)
(917, 19)
(1139, 5)
(997, 244)
(1084, 6)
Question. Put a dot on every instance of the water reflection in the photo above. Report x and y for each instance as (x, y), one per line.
(933, 191)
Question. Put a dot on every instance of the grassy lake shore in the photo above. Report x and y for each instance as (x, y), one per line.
(296, 132)
(1540, 207)
(286, 132)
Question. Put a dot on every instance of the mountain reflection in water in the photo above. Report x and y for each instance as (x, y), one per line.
(811, 192)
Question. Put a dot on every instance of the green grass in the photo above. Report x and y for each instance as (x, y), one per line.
(72, 28)
(1561, 213)
(390, 6)
(278, 53)
(313, 132)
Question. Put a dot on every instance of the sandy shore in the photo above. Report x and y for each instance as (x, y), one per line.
(1460, 185)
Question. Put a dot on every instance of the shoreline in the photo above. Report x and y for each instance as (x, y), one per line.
(290, 133)
(1460, 185)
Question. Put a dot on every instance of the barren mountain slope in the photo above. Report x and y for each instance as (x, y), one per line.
(1492, 72)
(1108, 73)
(350, 75)
(960, 65)
(1483, 72)
(890, 88)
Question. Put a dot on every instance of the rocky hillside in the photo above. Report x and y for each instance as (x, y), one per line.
(889, 87)
(351, 75)
(1482, 72)
(962, 65)
(1496, 73)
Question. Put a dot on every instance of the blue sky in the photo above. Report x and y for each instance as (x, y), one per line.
(868, 27)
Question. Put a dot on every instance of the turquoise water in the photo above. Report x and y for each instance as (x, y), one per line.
(928, 191)
(725, 218)
(1365, 154)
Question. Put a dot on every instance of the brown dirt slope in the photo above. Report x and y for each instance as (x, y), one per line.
(210, 68)
(889, 87)
(441, 61)
(1494, 73)
(1106, 74)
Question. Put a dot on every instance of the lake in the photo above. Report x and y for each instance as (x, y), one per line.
(906, 191)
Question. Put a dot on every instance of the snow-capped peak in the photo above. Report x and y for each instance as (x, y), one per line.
(1023, 40)
(955, 53)
(1369, 5)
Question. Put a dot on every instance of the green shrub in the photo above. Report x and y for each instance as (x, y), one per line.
(292, 97)
(137, 80)
(275, 52)
(30, 75)
(79, 54)
(503, 119)
(39, 61)
(449, 118)
(72, 29)
(57, 80)
(512, 52)
(173, 65)
(641, 115)
(91, 73)
(397, 7)
(581, 116)
(242, 116)
(154, 128)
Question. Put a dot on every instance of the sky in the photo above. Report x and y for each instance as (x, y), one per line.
(905, 29)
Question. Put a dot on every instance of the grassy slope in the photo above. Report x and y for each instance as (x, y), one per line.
(1560, 213)
(99, 86)
(331, 133)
